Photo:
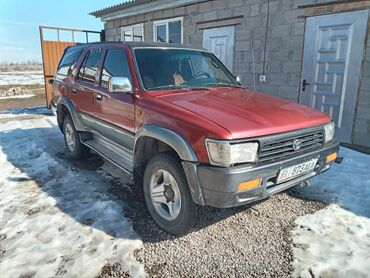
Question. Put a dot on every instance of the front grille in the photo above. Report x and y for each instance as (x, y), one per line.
(283, 147)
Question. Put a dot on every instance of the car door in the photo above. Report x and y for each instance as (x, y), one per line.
(83, 91)
(114, 112)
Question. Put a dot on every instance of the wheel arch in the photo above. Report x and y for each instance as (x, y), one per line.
(169, 137)
(152, 140)
(66, 107)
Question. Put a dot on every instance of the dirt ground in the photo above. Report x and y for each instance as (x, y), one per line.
(248, 241)
(14, 103)
(38, 100)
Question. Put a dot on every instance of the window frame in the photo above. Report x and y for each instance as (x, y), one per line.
(74, 64)
(166, 23)
(138, 72)
(131, 28)
(105, 54)
(84, 57)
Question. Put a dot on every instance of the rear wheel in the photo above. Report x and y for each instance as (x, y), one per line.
(75, 148)
(167, 194)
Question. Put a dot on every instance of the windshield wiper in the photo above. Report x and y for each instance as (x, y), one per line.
(179, 87)
(169, 87)
(222, 84)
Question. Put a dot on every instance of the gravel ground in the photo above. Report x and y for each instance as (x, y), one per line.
(249, 241)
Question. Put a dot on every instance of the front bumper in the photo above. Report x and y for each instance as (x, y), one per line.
(218, 186)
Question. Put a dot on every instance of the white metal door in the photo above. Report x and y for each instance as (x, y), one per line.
(333, 52)
(221, 42)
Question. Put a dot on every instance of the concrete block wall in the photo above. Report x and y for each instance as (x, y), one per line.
(284, 48)
(361, 132)
(284, 45)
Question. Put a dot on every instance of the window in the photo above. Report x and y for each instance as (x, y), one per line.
(181, 68)
(68, 62)
(115, 65)
(132, 33)
(169, 30)
(89, 67)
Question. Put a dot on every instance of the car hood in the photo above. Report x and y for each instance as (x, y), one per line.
(244, 113)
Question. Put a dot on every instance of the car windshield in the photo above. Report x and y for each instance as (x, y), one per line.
(169, 68)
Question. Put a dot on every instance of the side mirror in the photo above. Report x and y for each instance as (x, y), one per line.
(238, 79)
(119, 85)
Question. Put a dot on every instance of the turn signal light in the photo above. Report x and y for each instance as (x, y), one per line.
(249, 184)
(331, 157)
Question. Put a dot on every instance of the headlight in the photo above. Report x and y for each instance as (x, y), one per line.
(224, 153)
(329, 131)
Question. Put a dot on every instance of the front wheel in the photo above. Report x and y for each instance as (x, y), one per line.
(167, 194)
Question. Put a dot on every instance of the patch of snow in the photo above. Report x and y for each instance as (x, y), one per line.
(332, 242)
(25, 112)
(56, 220)
(17, 96)
(335, 242)
(21, 72)
(346, 184)
(22, 78)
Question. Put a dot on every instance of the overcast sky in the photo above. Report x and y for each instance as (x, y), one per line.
(20, 19)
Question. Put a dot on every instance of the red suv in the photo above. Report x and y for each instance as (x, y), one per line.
(179, 120)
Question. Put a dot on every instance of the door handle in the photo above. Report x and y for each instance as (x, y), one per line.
(98, 96)
(74, 91)
(304, 84)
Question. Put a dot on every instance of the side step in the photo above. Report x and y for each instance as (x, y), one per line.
(111, 152)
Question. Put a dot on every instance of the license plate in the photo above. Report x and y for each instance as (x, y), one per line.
(296, 170)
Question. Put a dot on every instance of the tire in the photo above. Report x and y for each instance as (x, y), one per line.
(74, 148)
(175, 188)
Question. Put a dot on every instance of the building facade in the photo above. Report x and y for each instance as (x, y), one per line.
(316, 52)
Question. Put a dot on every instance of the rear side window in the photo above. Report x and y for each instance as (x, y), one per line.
(115, 65)
(89, 67)
(68, 62)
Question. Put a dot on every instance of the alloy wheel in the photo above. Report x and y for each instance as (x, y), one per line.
(165, 195)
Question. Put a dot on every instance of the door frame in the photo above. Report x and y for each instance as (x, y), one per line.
(364, 12)
(233, 39)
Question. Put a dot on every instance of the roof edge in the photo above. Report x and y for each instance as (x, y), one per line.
(136, 7)
(123, 5)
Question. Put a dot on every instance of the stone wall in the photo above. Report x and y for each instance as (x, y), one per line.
(284, 45)
(361, 133)
(284, 49)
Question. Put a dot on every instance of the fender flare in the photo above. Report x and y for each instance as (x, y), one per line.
(64, 101)
(185, 152)
(173, 139)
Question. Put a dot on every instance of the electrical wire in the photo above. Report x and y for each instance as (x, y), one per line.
(267, 26)
(253, 65)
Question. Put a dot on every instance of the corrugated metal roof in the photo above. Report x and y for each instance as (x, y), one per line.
(124, 5)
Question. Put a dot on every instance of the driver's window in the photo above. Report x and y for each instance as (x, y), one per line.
(115, 65)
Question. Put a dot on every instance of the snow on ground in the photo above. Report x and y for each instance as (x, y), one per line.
(56, 220)
(59, 220)
(335, 242)
(25, 112)
(17, 96)
(21, 78)
(347, 184)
